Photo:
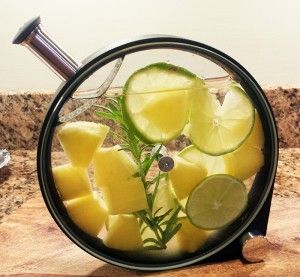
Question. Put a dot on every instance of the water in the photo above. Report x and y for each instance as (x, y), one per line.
(216, 164)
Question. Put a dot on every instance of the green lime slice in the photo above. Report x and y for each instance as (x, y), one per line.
(217, 129)
(213, 164)
(216, 202)
(233, 163)
(157, 101)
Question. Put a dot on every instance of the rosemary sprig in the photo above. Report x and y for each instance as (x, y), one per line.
(164, 226)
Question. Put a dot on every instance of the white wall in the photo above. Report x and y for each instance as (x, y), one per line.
(264, 36)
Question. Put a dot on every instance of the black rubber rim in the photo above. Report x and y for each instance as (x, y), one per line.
(99, 59)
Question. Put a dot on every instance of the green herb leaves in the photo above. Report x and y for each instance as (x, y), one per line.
(163, 225)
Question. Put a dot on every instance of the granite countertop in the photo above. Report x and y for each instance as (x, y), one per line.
(18, 182)
(22, 114)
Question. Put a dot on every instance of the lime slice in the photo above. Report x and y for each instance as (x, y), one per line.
(233, 163)
(217, 201)
(218, 129)
(157, 101)
(213, 164)
(248, 158)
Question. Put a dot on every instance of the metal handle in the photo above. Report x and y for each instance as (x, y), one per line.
(33, 36)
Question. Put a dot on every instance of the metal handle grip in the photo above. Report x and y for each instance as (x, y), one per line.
(33, 36)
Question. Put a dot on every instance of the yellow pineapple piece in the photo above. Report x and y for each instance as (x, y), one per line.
(88, 213)
(191, 238)
(114, 170)
(166, 114)
(80, 140)
(71, 182)
(246, 162)
(248, 158)
(127, 197)
(164, 201)
(185, 176)
(123, 233)
(256, 137)
(113, 165)
(172, 250)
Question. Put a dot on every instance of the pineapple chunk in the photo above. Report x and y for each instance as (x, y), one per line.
(71, 182)
(164, 199)
(245, 162)
(185, 176)
(123, 233)
(191, 238)
(127, 197)
(172, 251)
(114, 170)
(80, 139)
(112, 166)
(248, 158)
(88, 213)
(256, 137)
(166, 114)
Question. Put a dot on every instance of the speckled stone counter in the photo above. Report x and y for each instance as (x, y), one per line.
(18, 182)
(285, 103)
(22, 114)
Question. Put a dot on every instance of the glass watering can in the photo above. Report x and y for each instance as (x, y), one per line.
(156, 153)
